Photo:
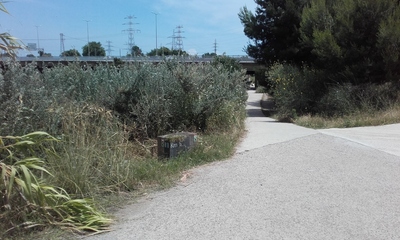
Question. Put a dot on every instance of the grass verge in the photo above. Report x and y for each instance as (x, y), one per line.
(356, 119)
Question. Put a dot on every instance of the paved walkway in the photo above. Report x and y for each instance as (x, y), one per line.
(285, 182)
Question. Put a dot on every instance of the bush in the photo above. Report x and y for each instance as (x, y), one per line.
(28, 200)
(296, 91)
(305, 91)
(106, 116)
(176, 97)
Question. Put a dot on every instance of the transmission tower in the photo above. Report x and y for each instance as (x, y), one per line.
(173, 40)
(109, 50)
(62, 48)
(177, 43)
(215, 47)
(178, 37)
(131, 31)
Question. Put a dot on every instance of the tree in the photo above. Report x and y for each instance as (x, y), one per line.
(136, 51)
(228, 63)
(274, 31)
(95, 49)
(70, 53)
(42, 53)
(209, 55)
(353, 38)
(164, 51)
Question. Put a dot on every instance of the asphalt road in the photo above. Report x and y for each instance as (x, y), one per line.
(284, 182)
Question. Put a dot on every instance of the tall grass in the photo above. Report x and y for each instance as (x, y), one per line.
(106, 119)
(28, 200)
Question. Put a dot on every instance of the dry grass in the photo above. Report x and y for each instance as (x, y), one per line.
(357, 119)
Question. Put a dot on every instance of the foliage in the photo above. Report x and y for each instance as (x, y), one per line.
(93, 49)
(176, 97)
(296, 91)
(8, 43)
(106, 115)
(261, 89)
(209, 55)
(302, 91)
(136, 51)
(70, 53)
(28, 201)
(359, 118)
(274, 31)
(354, 38)
(334, 48)
(164, 51)
(227, 63)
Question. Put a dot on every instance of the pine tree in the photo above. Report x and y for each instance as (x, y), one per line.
(274, 31)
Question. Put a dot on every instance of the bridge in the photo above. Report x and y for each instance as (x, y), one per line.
(249, 64)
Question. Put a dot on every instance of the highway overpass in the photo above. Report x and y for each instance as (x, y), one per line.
(247, 63)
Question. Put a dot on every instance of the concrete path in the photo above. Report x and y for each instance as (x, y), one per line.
(285, 182)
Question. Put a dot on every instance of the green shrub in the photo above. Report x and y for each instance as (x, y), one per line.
(106, 117)
(28, 200)
(177, 97)
(295, 91)
(337, 101)
(262, 89)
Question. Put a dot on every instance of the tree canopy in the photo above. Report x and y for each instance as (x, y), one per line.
(353, 37)
(136, 51)
(209, 55)
(274, 30)
(358, 40)
(164, 51)
(70, 53)
(94, 49)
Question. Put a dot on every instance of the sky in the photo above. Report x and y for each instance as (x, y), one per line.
(205, 23)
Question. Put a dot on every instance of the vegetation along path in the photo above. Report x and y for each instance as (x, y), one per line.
(284, 182)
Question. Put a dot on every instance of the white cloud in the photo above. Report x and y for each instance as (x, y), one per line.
(192, 52)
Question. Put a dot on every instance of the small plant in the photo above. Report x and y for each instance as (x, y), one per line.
(28, 201)
(261, 89)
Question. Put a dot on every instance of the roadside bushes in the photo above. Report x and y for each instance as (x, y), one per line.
(106, 117)
(302, 91)
(295, 90)
(177, 97)
(149, 99)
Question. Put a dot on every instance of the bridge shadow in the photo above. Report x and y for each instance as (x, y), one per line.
(254, 104)
(263, 108)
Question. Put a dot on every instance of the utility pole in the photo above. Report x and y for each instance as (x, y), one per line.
(215, 47)
(37, 36)
(62, 48)
(155, 14)
(131, 30)
(38, 45)
(87, 30)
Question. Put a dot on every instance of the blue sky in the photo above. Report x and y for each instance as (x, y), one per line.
(203, 22)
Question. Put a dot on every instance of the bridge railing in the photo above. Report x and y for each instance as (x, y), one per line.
(139, 58)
